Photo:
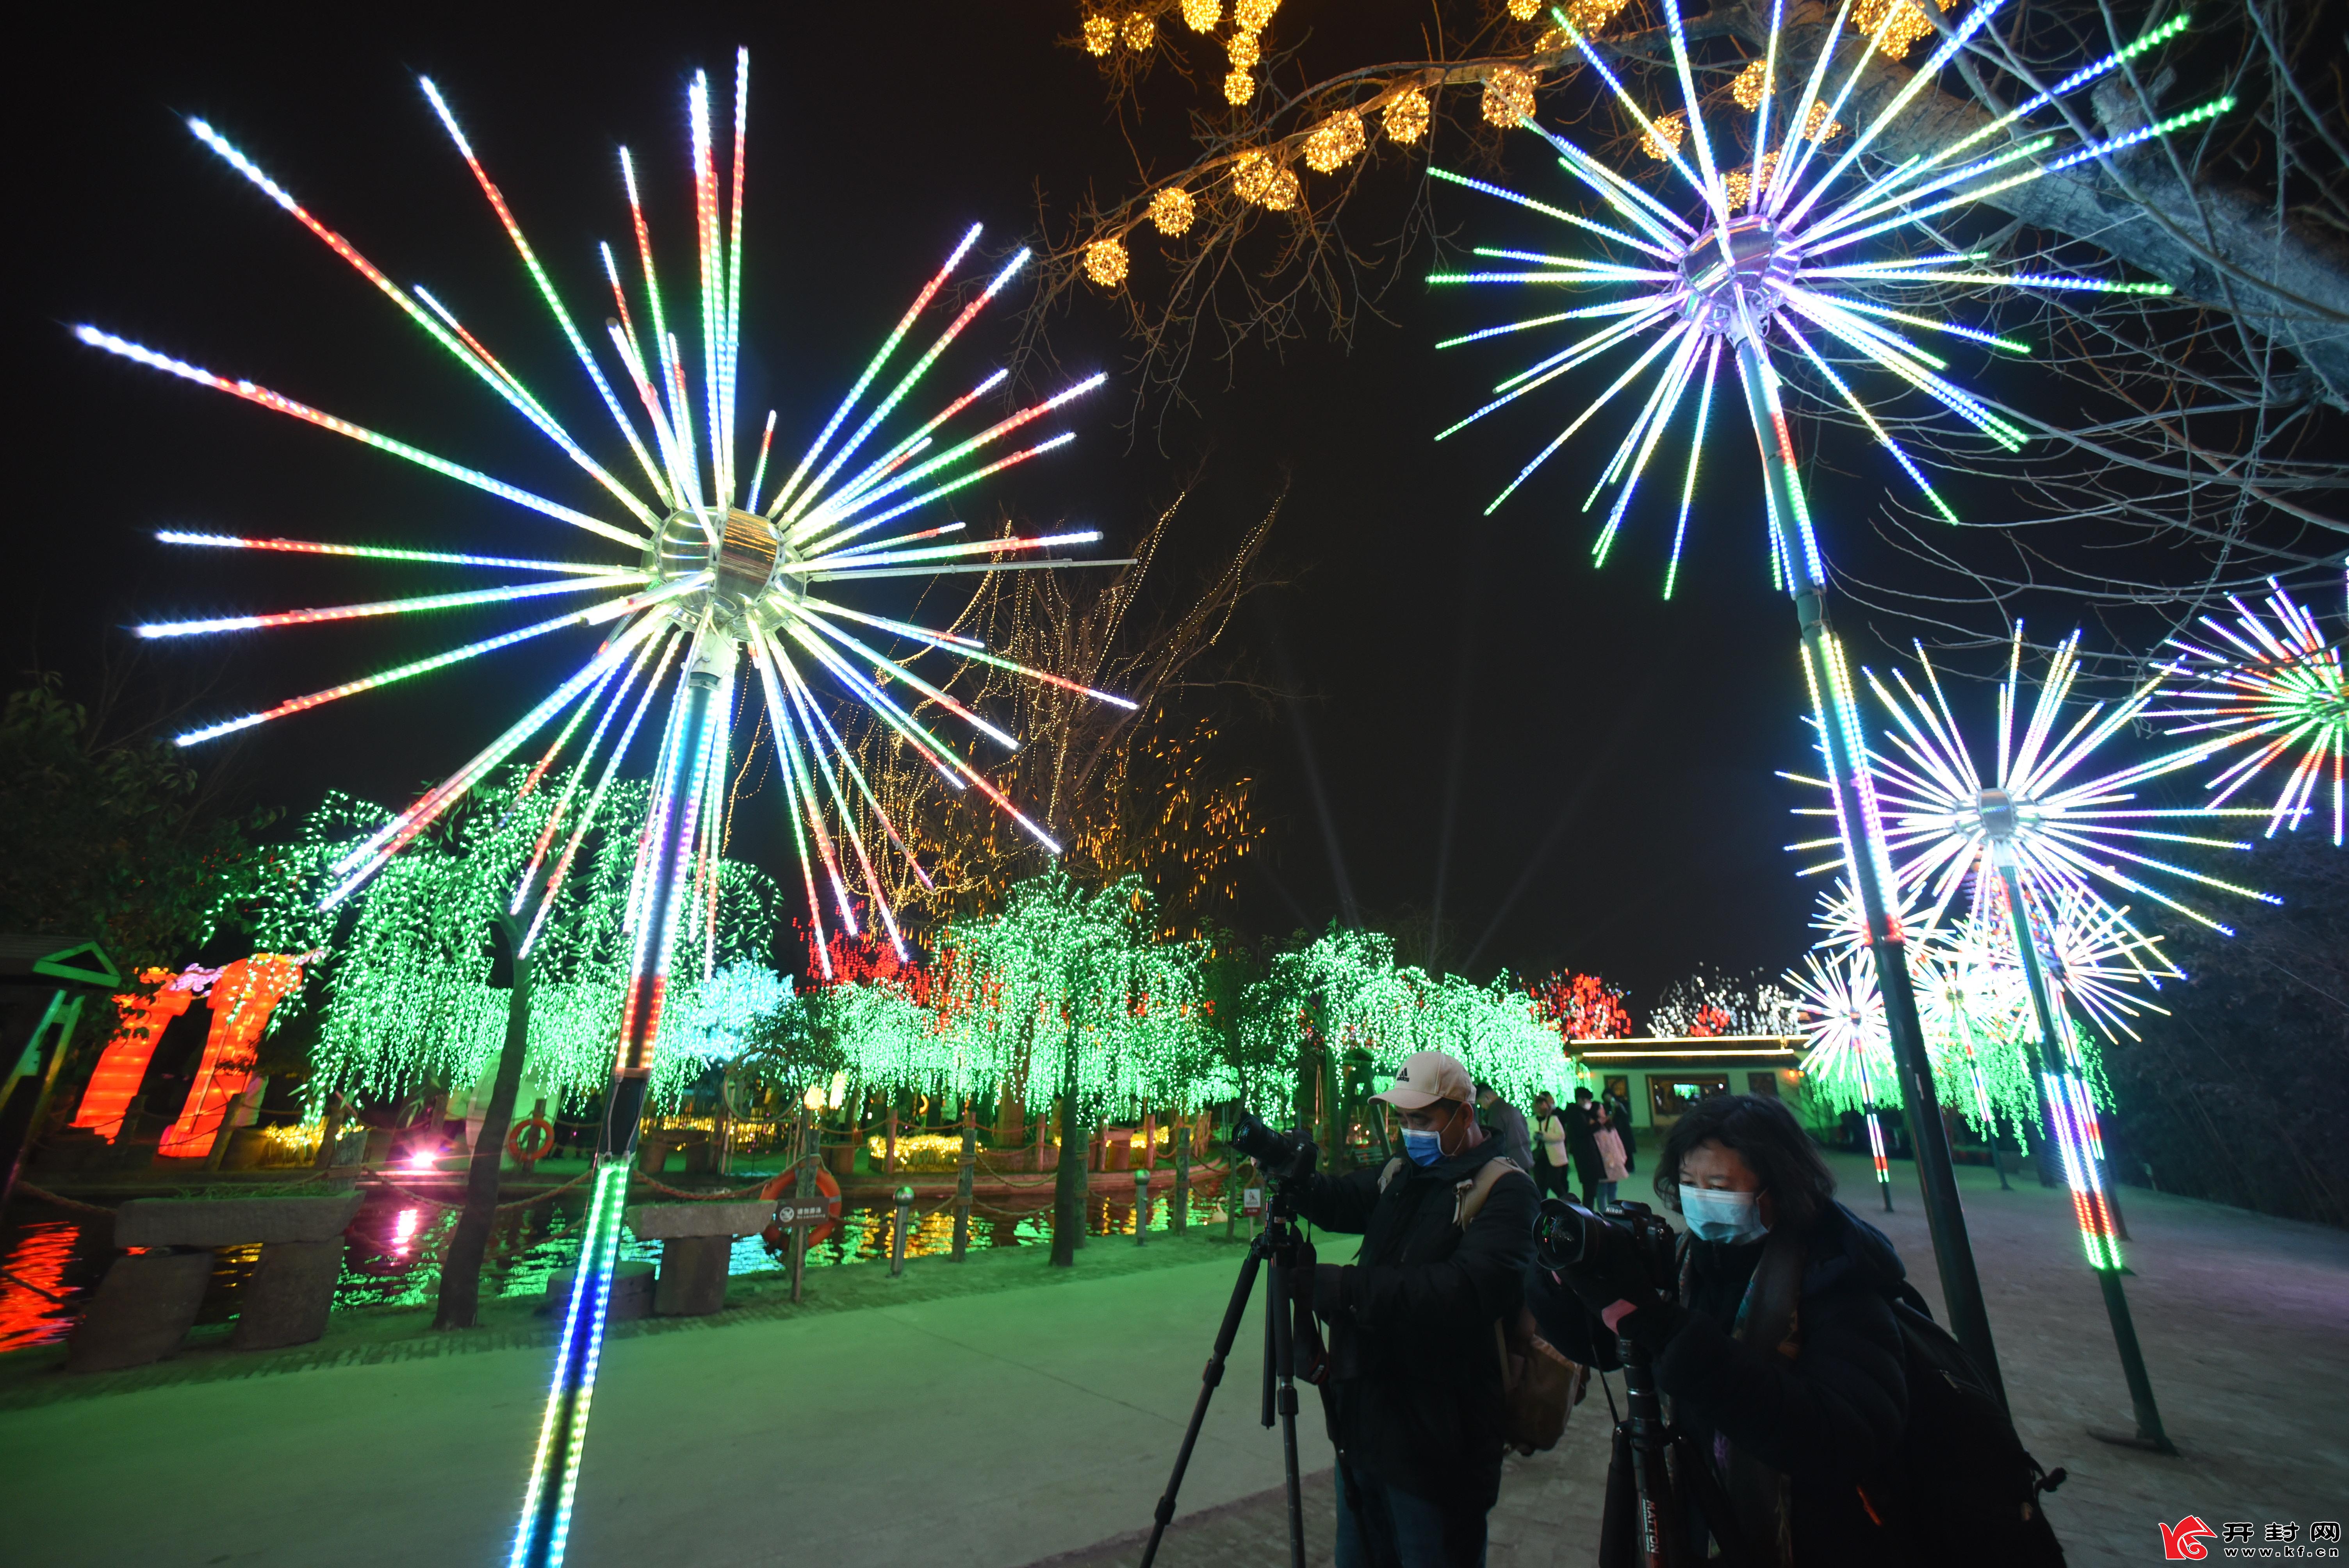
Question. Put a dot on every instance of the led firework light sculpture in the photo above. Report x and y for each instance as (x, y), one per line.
(1848, 1047)
(713, 571)
(2033, 844)
(1775, 258)
(2273, 680)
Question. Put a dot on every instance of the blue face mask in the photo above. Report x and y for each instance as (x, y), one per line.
(1424, 1148)
(1718, 1214)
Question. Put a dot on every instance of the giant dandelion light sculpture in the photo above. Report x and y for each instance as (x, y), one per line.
(703, 570)
(1791, 250)
(1848, 1045)
(2271, 681)
(2036, 841)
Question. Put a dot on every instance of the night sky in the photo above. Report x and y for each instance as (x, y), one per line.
(1583, 772)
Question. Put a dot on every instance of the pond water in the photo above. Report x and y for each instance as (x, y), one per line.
(393, 1258)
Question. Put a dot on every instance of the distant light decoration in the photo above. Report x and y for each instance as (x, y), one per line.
(1406, 118)
(1739, 182)
(1661, 139)
(1334, 142)
(1747, 88)
(2271, 682)
(122, 1065)
(1849, 1063)
(1579, 1007)
(1253, 15)
(1139, 31)
(735, 598)
(1826, 247)
(1508, 96)
(241, 999)
(1203, 15)
(1243, 50)
(1816, 126)
(1105, 262)
(1264, 181)
(1172, 210)
(1895, 25)
(1710, 1003)
(1238, 88)
(1100, 33)
(1590, 17)
(1524, 10)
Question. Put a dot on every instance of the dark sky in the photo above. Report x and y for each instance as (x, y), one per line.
(1585, 770)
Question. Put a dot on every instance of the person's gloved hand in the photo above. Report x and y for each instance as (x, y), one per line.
(1610, 1280)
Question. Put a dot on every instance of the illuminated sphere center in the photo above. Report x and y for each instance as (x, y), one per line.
(750, 561)
(1757, 270)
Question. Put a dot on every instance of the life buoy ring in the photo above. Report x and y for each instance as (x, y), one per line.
(534, 1147)
(778, 1240)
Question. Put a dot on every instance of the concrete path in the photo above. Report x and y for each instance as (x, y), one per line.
(1037, 1423)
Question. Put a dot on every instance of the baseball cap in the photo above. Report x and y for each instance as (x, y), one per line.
(1426, 1076)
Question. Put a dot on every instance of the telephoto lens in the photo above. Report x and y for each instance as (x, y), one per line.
(1558, 1237)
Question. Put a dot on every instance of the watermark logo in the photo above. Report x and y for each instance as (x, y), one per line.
(2182, 1542)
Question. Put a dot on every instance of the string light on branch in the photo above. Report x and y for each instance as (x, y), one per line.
(1174, 212)
(1264, 181)
(1739, 182)
(1555, 40)
(1139, 31)
(1105, 262)
(1244, 51)
(1662, 143)
(1101, 35)
(1202, 15)
(1588, 17)
(1524, 10)
(1817, 126)
(1907, 24)
(1334, 141)
(1406, 116)
(1508, 96)
(1251, 16)
(1239, 88)
(1747, 88)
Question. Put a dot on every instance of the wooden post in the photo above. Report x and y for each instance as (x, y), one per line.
(1178, 1219)
(963, 1184)
(330, 1132)
(1142, 1206)
(806, 1189)
(898, 1231)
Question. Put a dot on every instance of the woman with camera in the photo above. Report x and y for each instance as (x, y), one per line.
(1776, 1343)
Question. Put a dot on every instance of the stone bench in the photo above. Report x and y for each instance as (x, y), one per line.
(697, 1246)
(145, 1305)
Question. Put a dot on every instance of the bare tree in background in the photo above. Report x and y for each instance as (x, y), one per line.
(1147, 791)
(2192, 445)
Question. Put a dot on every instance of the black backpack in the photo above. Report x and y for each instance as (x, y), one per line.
(1967, 1491)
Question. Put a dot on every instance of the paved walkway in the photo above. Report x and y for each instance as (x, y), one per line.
(1038, 1423)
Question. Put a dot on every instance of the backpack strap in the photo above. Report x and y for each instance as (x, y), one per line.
(1394, 1168)
(1468, 1197)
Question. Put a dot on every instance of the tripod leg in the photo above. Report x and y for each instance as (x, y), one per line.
(1225, 1335)
(1712, 1502)
(1285, 1377)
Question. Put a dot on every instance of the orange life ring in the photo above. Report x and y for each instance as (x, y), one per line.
(541, 1143)
(777, 1241)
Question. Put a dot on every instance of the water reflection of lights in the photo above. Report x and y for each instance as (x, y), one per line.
(403, 1230)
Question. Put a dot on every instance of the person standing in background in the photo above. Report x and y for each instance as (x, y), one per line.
(1618, 1116)
(1590, 1171)
(1550, 1166)
(1508, 1124)
(1610, 1153)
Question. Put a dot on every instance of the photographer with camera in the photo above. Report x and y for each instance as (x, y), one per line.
(1771, 1329)
(1413, 1396)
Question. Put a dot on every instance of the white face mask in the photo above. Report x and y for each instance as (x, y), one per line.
(1719, 1214)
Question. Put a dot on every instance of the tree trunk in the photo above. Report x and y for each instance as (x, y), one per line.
(461, 1270)
(1069, 1185)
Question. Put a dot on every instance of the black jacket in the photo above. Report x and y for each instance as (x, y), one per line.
(1830, 1417)
(1413, 1397)
(1582, 1141)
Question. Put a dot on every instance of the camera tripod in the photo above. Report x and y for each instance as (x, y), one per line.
(1278, 1245)
(1646, 1523)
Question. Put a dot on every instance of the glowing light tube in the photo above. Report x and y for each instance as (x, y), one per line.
(963, 647)
(383, 607)
(765, 654)
(386, 553)
(1560, 214)
(265, 398)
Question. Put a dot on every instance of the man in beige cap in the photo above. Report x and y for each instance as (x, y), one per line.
(1413, 1393)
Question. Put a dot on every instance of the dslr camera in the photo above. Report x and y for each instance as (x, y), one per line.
(1568, 1237)
(1286, 1157)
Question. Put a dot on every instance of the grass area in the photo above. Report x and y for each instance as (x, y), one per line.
(377, 1335)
